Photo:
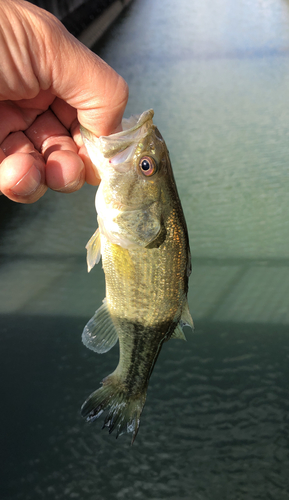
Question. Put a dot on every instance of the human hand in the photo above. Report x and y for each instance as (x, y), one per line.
(49, 83)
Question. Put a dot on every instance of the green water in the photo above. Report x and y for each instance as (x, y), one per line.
(215, 425)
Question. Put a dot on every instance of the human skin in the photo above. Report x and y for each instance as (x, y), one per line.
(49, 84)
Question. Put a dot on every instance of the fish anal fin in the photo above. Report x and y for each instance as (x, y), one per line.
(93, 248)
(100, 334)
(178, 333)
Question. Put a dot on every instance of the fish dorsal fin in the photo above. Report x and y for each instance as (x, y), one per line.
(100, 334)
(186, 318)
(93, 248)
(178, 333)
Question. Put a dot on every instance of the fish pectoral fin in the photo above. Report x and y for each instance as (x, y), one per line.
(178, 333)
(186, 318)
(159, 239)
(93, 248)
(100, 334)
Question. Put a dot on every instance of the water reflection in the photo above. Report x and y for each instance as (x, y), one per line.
(241, 291)
(234, 290)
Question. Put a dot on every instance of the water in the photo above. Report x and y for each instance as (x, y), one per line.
(215, 425)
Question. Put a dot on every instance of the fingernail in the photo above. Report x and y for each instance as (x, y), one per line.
(73, 185)
(29, 182)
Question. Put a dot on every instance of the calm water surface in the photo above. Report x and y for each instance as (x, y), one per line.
(215, 425)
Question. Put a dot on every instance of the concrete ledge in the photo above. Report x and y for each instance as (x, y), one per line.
(90, 35)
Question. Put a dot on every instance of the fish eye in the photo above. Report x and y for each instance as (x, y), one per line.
(147, 166)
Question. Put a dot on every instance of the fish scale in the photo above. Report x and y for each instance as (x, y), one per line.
(148, 288)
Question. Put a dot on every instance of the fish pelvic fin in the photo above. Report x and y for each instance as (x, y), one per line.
(93, 248)
(186, 318)
(100, 334)
(123, 410)
(178, 333)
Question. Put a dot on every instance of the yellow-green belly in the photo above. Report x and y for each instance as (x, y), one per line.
(147, 285)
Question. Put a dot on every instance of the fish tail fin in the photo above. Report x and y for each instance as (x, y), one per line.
(123, 410)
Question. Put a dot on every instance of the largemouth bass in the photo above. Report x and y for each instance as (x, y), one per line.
(143, 241)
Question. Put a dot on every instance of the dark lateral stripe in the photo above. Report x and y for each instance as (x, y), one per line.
(145, 348)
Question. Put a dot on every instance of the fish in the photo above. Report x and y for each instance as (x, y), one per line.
(142, 239)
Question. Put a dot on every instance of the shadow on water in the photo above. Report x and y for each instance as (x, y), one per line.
(13, 215)
(8, 210)
(215, 424)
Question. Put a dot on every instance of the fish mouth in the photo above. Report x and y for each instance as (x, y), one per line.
(135, 129)
(118, 148)
(135, 122)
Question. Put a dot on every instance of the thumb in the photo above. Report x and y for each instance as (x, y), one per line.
(88, 84)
